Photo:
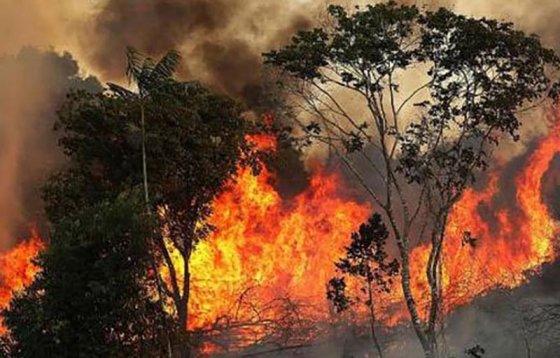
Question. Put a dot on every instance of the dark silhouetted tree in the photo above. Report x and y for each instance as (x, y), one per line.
(93, 295)
(177, 141)
(366, 260)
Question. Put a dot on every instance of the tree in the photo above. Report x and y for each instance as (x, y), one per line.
(178, 141)
(412, 102)
(365, 259)
(92, 297)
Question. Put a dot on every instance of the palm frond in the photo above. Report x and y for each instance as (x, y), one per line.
(146, 78)
(121, 91)
(167, 66)
(134, 63)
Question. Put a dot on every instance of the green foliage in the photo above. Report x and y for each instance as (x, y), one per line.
(92, 297)
(177, 141)
(365, 259)
(147, 74)
(479, 73)
(194, 141)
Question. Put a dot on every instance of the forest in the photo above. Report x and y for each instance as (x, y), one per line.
(207, 179)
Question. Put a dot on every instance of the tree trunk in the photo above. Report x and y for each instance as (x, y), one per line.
(149, 211)
(417, 324)
(372, 321)
(183, 310)
(160, 295)
(433, 274)
(144, 159)
(185, 346)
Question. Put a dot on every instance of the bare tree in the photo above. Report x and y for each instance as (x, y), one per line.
(255, 327)
(412, 102)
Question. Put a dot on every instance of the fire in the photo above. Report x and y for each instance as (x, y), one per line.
(508, 248)
(511, 247)
(267, 247)
(287, 247)
(17, 269)
(280, 248)
(262, 142)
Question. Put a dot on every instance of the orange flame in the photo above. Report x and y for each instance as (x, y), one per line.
(17, 269)
(262, 142)
(508, 249)
(287, 247)
(511, 247)
(261, 241)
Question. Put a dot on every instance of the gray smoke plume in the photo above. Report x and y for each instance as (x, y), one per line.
(221, 40)
(32, 85)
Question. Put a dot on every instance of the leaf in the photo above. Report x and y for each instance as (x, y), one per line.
(121, 91)
(134, 63)
(167, 66)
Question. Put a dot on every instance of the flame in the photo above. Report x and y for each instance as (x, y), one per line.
(277, 247)
(261, 241)
(17, 269)
(509, 248)
(262, 142)
(287, 247)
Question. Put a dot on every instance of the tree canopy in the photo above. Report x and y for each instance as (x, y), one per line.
(413, 102)
(178, 142)
(92, 296)
(194, 142)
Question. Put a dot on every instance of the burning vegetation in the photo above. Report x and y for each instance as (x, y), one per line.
(266, 254)
(17, 269)
(169, 233)
(287, 249)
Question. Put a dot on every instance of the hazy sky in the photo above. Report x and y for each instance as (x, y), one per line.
(77, 26)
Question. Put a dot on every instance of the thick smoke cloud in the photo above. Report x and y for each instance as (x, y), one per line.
(221, 40)
(32, 85)
(152, 26)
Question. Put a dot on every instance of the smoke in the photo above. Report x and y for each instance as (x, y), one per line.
(538, 19)
(221, 40)
(528, 16)
(32, 85)
(42, 24)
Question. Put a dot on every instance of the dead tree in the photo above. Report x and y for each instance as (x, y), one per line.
(253, 326)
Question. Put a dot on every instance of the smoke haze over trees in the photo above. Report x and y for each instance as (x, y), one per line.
(34, 85)
(79, 45)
